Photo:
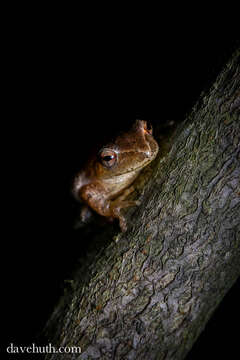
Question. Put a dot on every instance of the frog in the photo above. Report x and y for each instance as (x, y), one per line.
(106, 180)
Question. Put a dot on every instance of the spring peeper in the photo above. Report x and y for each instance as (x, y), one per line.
(105, 182)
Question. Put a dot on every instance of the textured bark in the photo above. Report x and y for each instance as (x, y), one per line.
(148, 293)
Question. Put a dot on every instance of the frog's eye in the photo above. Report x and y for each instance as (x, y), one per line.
(148, 127)
(107, 157)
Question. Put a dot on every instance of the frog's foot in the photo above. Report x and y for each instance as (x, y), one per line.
(84, 217)
(116, 211)
(125, 193)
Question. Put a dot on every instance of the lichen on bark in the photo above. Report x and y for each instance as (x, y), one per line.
(148, 293)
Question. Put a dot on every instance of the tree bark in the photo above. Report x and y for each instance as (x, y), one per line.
(148, 293)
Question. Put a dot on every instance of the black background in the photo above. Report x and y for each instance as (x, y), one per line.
(65, 96)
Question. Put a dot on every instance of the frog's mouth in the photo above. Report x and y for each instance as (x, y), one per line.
(136, 169)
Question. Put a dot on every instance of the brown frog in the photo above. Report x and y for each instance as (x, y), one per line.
(105, 182)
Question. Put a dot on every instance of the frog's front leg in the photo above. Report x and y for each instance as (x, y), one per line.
(93, 195)
(120, 203)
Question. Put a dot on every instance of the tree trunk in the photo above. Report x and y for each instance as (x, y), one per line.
(148, 293)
